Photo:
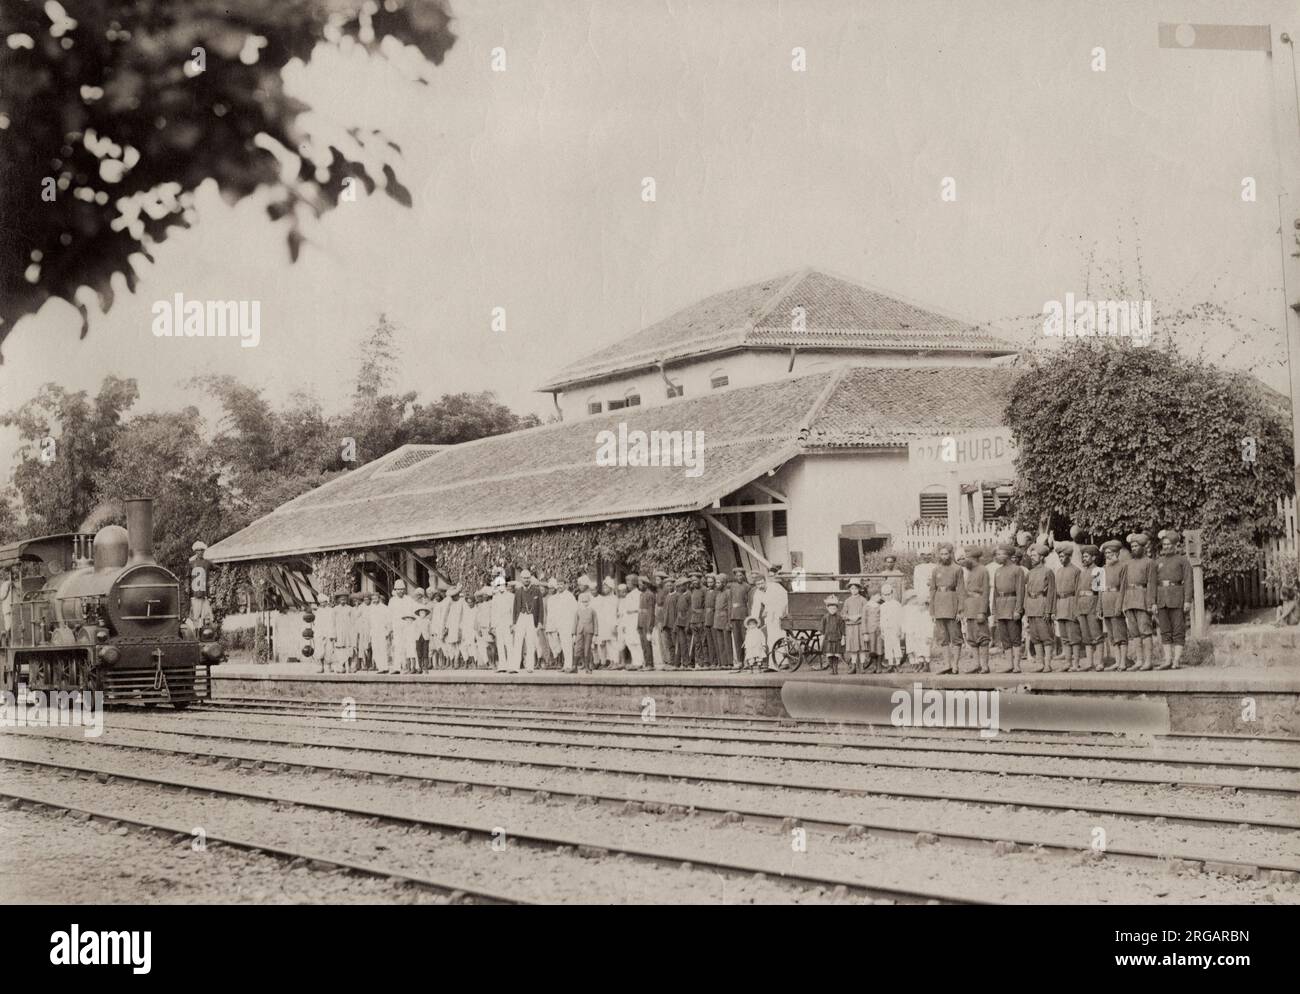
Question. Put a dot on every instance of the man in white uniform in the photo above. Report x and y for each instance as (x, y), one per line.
(562, 619)
(629, 607)
(771, 605)
(503, 603)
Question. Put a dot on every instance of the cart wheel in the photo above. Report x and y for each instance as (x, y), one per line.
(787, 654)
(811, 644)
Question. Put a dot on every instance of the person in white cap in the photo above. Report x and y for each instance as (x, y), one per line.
(503, 602)
(771, 605)
(483, 627)
(528, 613)
(453, 628)
(891, 627)
(629, 611)
(401, 619)
(200, 572)
(605, 603)
(562, 621)
(437, 626)
(381, 633)
(324, 628)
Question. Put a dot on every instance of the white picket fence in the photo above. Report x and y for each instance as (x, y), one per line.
(923, 536)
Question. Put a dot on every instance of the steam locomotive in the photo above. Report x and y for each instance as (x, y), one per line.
(98, 613)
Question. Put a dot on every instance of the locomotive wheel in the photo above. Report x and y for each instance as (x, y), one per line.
(181, 705)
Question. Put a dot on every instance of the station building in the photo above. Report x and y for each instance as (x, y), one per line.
(793, 421)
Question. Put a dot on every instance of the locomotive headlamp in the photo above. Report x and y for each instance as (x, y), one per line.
(110, 654)
(308, 651)
(213, 652)
(101, 634)
(207, 633)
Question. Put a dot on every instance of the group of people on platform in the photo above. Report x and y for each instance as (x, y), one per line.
(697, 620)
(1032, 602)
(1130, 604)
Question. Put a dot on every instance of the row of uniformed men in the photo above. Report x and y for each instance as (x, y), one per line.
(1109, 604)
(696, 620)
(406, 633)
(655, 621)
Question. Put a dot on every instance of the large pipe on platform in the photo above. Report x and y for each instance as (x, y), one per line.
(139, 529)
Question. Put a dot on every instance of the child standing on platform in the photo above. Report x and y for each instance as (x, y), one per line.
(755, 644)
(832, 633)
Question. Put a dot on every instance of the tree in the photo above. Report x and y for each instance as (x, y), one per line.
(165, 456)
(462, 417)
(113, 117)
(66, 443)
(1115, 439)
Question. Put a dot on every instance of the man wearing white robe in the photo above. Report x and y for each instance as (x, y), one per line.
(629, 609)
(562, 620)
(401, 612)
(503, 603)
(381, 633)
(771, 604)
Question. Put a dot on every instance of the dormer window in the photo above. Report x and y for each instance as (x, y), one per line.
(675, 390)
(718, 379)
(633, 399)
(594, 406)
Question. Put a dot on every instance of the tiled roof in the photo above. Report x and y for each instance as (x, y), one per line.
(837, 313)
(540, 477)
(549, 476)
(886, 407)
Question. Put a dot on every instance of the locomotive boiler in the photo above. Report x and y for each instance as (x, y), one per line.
(99, 613)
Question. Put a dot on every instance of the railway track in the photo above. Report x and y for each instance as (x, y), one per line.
(456, 892)
(779, 724)
(786, 817)
(733, 868)
(656, 730)
(462, 730)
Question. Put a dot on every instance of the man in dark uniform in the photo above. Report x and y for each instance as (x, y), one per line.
(1112, 602)
(1068, 578)
(667, 597)
(975, 606)
(1173, 599)
(1040, 606)
(661, 654)
(645, 619)
(1087, 607)
(1140, 586)
(737, 612)
(681, 623)
(721, 623)
(699, 634)
(1008, 602)
(945, 600)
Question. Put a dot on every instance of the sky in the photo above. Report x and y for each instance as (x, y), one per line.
(527, 189)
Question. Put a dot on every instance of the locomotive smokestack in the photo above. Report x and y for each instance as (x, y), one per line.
(139, 529)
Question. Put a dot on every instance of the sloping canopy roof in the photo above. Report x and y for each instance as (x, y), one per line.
(887, 407)
(549, 475)
(837, 314)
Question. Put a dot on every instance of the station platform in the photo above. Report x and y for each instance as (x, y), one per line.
(1248, 700)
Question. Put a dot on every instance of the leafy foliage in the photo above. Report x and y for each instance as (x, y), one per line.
(257, 458)
(105, 112)
(1115, 439)
(668, 542)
